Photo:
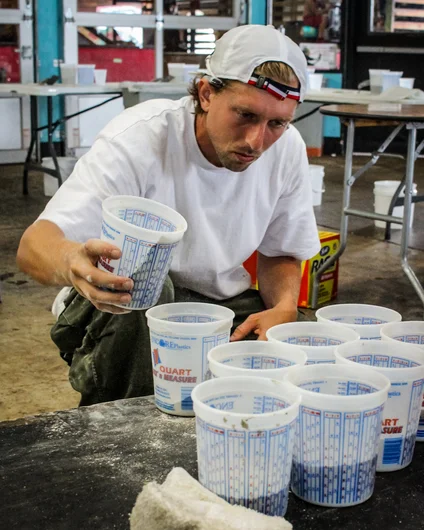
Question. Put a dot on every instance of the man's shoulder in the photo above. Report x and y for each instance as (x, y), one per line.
(153, 116)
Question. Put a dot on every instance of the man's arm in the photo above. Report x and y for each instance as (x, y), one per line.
(45, 254)
(279, 284)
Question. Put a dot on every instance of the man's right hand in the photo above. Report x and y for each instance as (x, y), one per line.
(45, 254)
(88, 280)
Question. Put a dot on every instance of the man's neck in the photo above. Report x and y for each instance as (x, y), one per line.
(203, 140)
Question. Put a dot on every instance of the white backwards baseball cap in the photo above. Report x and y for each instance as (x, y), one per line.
(239, 51)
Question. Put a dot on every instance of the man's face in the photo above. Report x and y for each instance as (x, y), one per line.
(241, 123)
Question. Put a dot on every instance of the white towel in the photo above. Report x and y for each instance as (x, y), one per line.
(401, 94)
(181, 503)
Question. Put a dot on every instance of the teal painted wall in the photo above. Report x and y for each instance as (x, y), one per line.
(50, 47)
(257, 14)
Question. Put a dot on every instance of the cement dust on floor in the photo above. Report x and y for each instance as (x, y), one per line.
(34, 378)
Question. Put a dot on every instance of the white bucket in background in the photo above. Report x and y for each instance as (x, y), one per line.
(376, 80)
(413, 333)
(147, 233)
(365, 319)
(190, 71)
(338, 433)
(403, 365)
(100, 76)
(245, 430)
(407, 82)
(177, 71)
(66, 166)
(317, 339)
(68, 74)
(181, 336)
(390, 79)
(254, 358)
(383, 194)
(316, 175)
(315, 81)
(86, 74)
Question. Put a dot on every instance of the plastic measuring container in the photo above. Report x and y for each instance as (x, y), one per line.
(338, 432)
(403, 365)
(413, 332)
(317, 339)
(365, 319)
(147, 233)
(181, 335)
(245, 430)
(255, 358)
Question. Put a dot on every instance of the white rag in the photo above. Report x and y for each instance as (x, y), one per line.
(181, 503)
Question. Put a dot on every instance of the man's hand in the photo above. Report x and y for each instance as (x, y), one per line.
(88, 279)
(259, 323)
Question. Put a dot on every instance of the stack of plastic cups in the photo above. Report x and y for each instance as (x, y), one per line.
(338, 433)
(403, 365)
(367, 320)
(413, 333)
(254, 358)
(245, 430)
(181, 336)
(317, 339)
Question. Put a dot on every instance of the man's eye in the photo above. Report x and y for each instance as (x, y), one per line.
(275, 124)
(246, 115)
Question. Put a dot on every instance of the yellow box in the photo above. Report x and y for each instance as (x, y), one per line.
(330, 242)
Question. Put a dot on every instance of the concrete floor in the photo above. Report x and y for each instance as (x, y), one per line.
(33, 378)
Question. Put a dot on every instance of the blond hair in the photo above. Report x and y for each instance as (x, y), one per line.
(280, 72)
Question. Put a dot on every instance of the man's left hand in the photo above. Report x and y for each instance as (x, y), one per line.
(259, 323)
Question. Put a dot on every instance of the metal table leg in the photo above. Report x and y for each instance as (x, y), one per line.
(50, 130)
(347, 184)
(409, 178)
(33, 107)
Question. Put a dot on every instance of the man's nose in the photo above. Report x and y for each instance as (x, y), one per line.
(255, 137)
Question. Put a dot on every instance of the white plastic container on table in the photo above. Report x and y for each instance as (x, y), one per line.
(254, 358)
(338, 433)
(365, 319)
(245, 429)
(181, 336)
(317, 339)
(403, 365)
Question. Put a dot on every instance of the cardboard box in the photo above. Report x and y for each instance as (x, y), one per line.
(330, 242)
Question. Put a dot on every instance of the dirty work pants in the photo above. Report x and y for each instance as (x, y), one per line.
(109, 355)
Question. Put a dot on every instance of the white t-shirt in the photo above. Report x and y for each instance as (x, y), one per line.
(151, 151)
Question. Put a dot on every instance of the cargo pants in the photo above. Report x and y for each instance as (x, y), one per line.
(109, 355)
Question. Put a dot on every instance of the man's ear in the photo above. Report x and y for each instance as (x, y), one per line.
(205, 92)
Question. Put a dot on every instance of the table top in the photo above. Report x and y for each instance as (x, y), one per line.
(83, 468)
(377, 111)
(364, 97)
(34, 89)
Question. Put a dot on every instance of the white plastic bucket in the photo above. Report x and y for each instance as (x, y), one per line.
(407, 82)
(69, 74)
(315, 81)
(181, 335)
(383, 194)
(390, 79)
(245, 430)
(100, 76)
(317, 339)
(413, 333)
(66, 165)
(316, 175)
(338, 432)
(365, 319)
(147, 233)
(254, 358)
(376, 80)
(86, 74)
(407, 331)
(403, 365)
(176, 70)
